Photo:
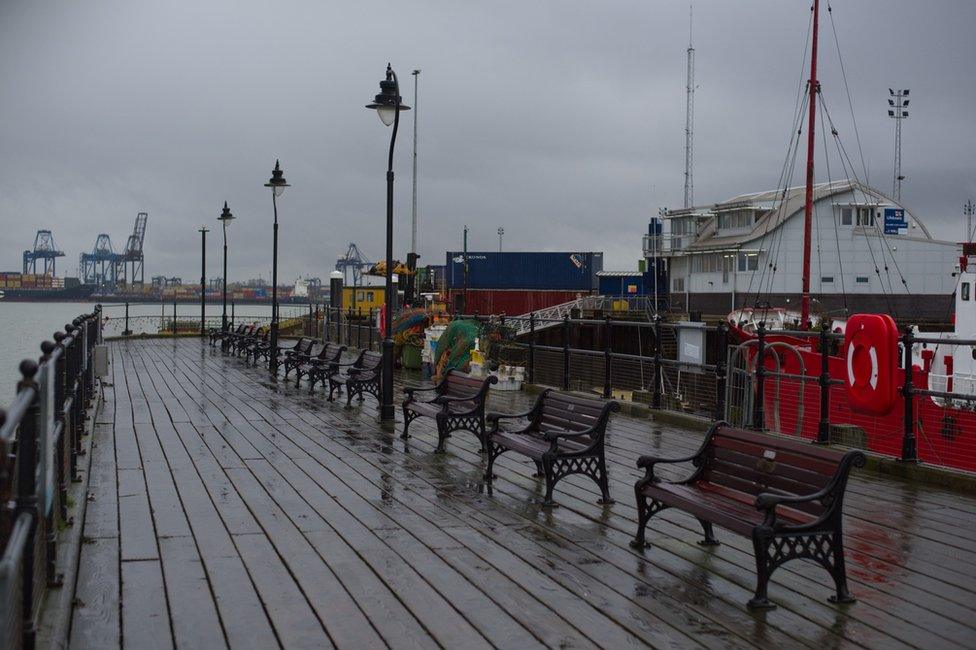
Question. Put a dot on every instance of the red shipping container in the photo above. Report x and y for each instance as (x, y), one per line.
(511, 302)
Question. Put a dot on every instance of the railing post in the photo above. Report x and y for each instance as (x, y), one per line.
(607, 390)
(232, 325)
(126, 331)
(61, 452)
(758, 406)
(359, 327)
(656, 390)
(370, 327)
(823, 428)
(48, 419)
(720, 370)
(26, 498)
(566, 366)
(309, 329)
(349, 327)
(531, 348)
(174, 316)
(909, 446)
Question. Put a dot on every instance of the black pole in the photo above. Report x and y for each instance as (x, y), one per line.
(127, 331)
(532, 347)
(203, 281)
(566, 367)
(720, 370)
(359, 328)
(386, 404)
(273, 357)
(823, 429)
(656, 389)
(607, 389)
(26, 499)
(758, 406)
(909, 446)
(223, 313)
(370, 327)
(174, 316)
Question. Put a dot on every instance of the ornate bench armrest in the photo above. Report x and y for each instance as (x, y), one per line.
(422, 388)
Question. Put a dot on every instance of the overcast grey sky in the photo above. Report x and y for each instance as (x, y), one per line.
(562, 121)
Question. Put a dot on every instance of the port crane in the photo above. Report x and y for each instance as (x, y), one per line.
(130, 265)
(100, 267)
(45, 250)
(353, 263)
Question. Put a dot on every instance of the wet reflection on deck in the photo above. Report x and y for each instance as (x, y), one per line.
(229, 509)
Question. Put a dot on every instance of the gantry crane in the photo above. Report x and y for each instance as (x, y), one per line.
(100, 267)
(353, 263)
(44, 249)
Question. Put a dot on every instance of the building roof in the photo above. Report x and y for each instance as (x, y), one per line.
(775, 207)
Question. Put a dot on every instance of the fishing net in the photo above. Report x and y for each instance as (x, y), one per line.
(409, 326)
(454, 347)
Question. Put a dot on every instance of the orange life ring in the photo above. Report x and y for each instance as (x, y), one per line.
(871, 351)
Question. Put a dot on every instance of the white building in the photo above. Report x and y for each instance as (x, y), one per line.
(868, 253)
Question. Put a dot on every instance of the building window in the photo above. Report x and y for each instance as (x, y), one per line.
(865, 216)
(678, 285)
(965, 291)
(748, 261)
(737, 219)
(847, 216)
(863, 279)
(827, 279)
(710, 263)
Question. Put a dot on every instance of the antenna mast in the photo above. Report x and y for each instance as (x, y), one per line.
(813, 89)
(690, 117)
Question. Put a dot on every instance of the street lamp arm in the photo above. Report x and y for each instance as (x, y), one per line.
(396, 120)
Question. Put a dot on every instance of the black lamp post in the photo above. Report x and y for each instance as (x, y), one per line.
(388, 105)
(277, 184)
(203, 279)
(225, 218)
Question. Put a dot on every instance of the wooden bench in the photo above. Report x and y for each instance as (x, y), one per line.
(564, 435)
(294, 355)
(318, 367)
(787, 495)
(218, 334)
(254, 345)
(238, 338)
(360, 376)
(458, 402)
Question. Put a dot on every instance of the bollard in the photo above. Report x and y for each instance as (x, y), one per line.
(127, 331)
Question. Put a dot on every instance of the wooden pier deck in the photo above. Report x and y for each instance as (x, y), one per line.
(227, 509)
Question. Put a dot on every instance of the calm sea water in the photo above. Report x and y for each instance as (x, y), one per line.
(24, 325)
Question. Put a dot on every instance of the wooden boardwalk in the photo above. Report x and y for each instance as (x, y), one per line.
(226, 509)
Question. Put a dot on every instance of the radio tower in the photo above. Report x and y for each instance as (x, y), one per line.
(690, 118)
(897, 105)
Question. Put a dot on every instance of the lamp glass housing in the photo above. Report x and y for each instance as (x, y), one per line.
(387, 114)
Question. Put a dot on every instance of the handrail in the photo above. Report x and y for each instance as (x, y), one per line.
(40, 441)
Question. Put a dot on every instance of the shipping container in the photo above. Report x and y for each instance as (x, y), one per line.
(510, 302)
(625, 284)
(566, 271)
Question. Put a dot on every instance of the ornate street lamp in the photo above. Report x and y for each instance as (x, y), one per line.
(225, 218)
(387, 105)
(203, 230)
(277, 184)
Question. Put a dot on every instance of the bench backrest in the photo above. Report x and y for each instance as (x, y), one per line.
(570, 412)
(331, 351)
(459, 384)
(304, 345)
(370, 360)
(753, 462)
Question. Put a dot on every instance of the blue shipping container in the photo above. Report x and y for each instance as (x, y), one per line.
(625, 284)
(566, 271)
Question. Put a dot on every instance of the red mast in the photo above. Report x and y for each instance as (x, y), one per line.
(813, 88)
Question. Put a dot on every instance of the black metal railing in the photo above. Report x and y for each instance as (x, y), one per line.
(40, 442)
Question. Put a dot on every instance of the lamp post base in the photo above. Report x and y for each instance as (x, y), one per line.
(387, 410)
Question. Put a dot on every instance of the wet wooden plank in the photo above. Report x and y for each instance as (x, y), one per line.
(192, 608)
(135, 518)
(294, 620)
(145, 615)
(95, 619)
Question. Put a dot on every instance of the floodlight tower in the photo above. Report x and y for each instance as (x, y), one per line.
(897, 110)
(690, 119)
